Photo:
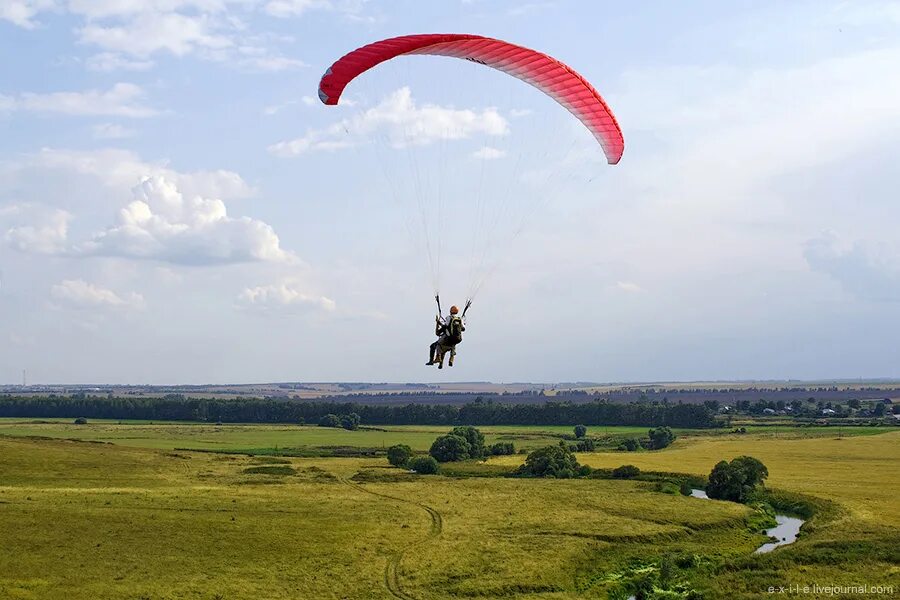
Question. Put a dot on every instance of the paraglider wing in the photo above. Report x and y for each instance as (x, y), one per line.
(544, 72)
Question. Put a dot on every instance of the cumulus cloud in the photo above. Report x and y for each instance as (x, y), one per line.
(23, 12)
(865, 270)
(403, 122)
(488, 153)
(176, 33)
(121, 169)
(36, 229)
(282, 297)
(121, 100)
(163, 224)
(78, 294)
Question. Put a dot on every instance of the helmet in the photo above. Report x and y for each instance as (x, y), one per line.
(454, 309)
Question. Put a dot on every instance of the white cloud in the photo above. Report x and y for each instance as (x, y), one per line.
(81, 295)
(121, 169)
(282, 297)
(864, 269)
(110, 61)
(403, 122)
(36, 229)
(629, 287)
(152, 32)
(488, 153)
(111, 131)
(22, 12)
(162, 224)
(121, 100)
(294, 8)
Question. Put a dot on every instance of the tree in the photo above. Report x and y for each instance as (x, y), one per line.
(399, 455)
(580, 431)
(879, 410)
(424, 465)
(630, 444)
(350, 422)
(330, 420)
(449, 448)
(473, 436)
(661, 437)
(626, 472)
(736, 480)
(502, 448)
(854, 403)
(550, 461)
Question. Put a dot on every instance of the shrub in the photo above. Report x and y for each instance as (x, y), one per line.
(626, 472)
(501, 448)
(330, 420)
(449, 448)
(583, 445)
(399, 455)
(550, 461)
(424, 465)
(660, 437)
(580, 431)
(630, 444)
(474, 437)
(301, 421)
(736, 480)
(667, 487)
(350, 422)
(81, 421)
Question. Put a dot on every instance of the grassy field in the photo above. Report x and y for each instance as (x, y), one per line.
(83, 520)
(136, 519)
(256, 438)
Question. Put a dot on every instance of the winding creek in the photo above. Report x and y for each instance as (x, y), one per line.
(785, 532)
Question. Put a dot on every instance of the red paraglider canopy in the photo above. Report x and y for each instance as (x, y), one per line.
(544, 72)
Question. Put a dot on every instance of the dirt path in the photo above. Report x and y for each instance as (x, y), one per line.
(392, 568)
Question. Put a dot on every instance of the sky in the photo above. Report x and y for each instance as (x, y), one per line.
(176, 205)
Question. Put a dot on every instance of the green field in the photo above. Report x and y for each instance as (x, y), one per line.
(135, 519)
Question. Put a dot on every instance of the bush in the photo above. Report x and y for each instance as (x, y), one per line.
(501, 448)
(399, 455)
(424, 465)
(81, 421)
(667, 487)
(583, 445)
(550, 461)
(661, 437)
(580, 431)
(449, 448)
(301, 421)
(474, 437)
(330, 420)
(630, 444)
(685, 488)
(350, 422)
(737, 480)
(626, 472)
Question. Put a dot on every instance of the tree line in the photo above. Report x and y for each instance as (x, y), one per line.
(176, 407)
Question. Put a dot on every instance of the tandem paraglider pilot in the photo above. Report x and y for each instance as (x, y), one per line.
(449, 331)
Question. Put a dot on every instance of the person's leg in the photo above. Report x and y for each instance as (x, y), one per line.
(431, 352)
(452, 356)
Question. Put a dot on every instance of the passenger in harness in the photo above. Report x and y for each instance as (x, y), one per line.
(449, 332)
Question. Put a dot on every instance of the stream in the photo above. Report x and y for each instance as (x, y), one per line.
(785, 532)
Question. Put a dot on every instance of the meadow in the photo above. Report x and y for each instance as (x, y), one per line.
(116, 512)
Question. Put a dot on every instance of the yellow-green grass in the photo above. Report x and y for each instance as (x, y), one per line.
(242, 437)
(84, 521)
(854, 540)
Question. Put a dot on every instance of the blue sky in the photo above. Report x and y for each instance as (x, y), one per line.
(176, 206)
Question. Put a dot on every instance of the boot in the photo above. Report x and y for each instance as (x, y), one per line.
(450, 361)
